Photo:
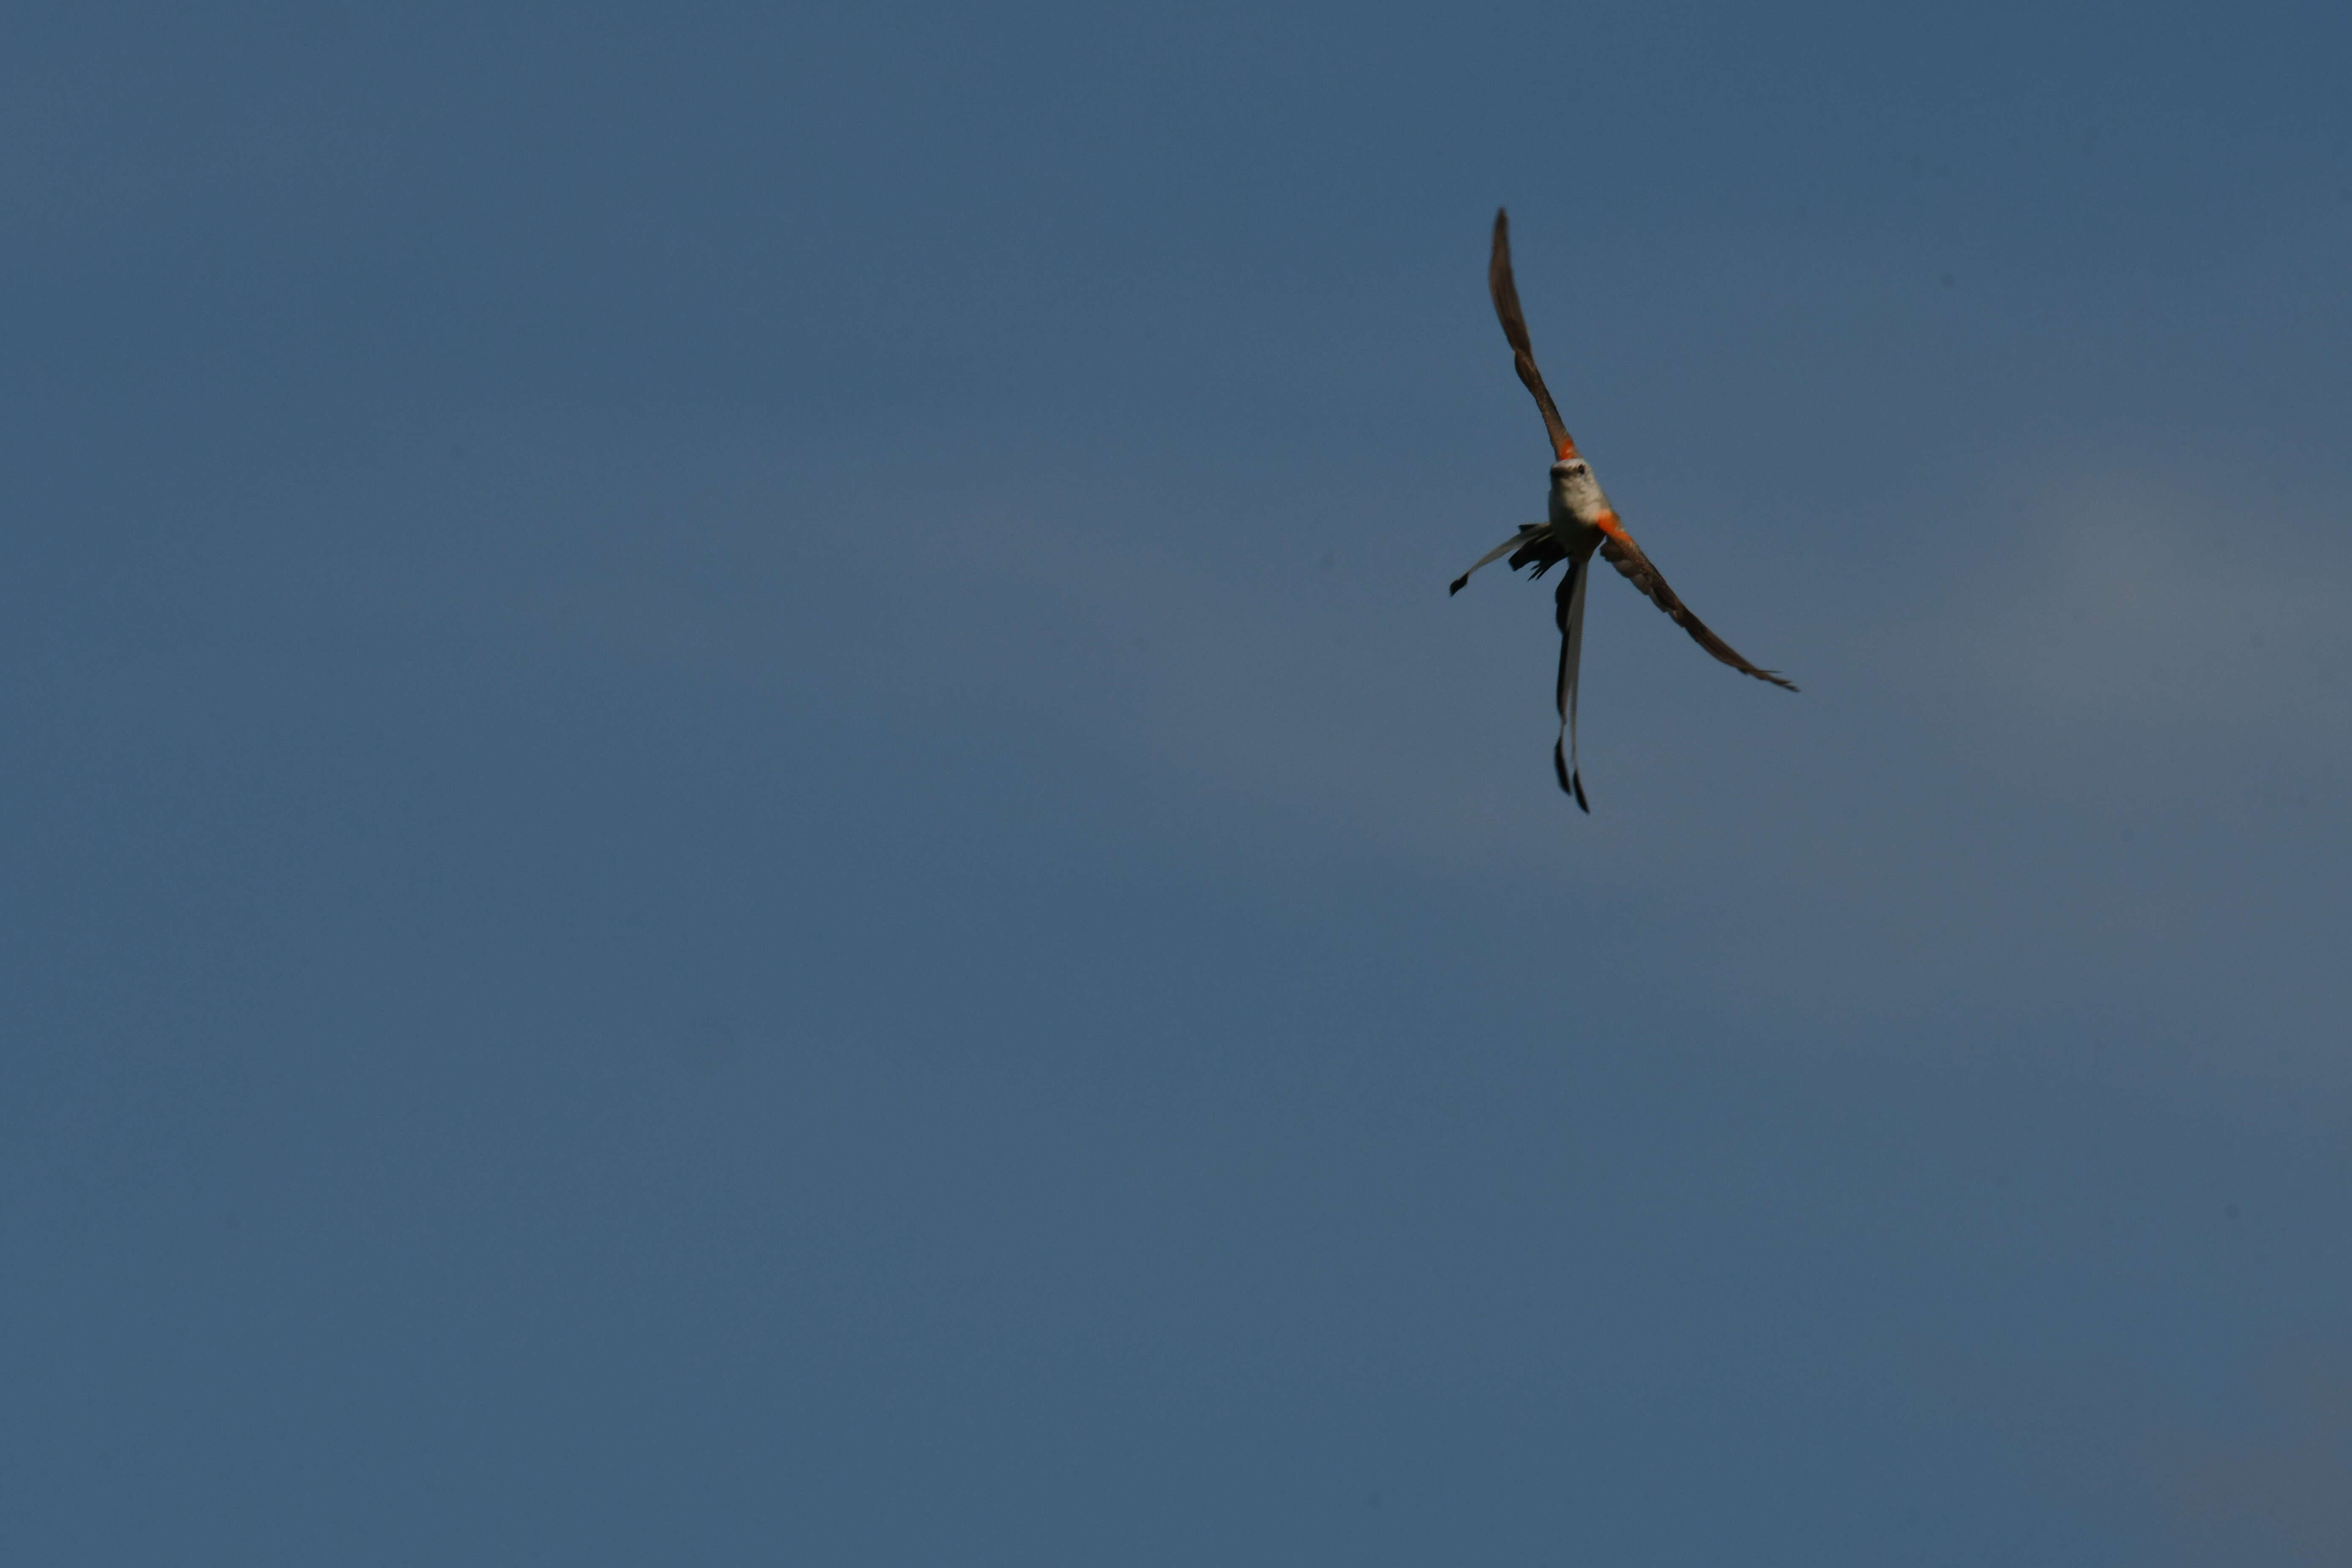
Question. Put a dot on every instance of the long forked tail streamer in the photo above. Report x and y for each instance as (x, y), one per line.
(1569, 601)
(1529, 532)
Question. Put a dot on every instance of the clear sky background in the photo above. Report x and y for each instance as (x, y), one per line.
(741, 821)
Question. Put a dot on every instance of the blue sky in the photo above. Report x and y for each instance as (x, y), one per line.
(744, 822)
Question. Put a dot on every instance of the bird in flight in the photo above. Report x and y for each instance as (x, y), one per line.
(1580, 524)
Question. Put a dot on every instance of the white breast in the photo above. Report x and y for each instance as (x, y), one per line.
(1575, 494)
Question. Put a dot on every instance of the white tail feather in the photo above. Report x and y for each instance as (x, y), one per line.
(1527, 534)
(1572, 655)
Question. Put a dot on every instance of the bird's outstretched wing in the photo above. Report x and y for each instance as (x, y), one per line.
(1506, 291)
(1634, 567)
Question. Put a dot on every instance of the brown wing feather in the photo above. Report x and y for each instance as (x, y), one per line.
(1635, 568)
(1506, 291)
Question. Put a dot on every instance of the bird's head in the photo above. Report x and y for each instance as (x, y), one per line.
(1575, 492)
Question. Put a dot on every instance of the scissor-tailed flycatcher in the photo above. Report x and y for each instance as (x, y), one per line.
(1580, 524)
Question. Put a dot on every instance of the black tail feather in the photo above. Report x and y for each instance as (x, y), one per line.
(1570, 784)
(1542, 553)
